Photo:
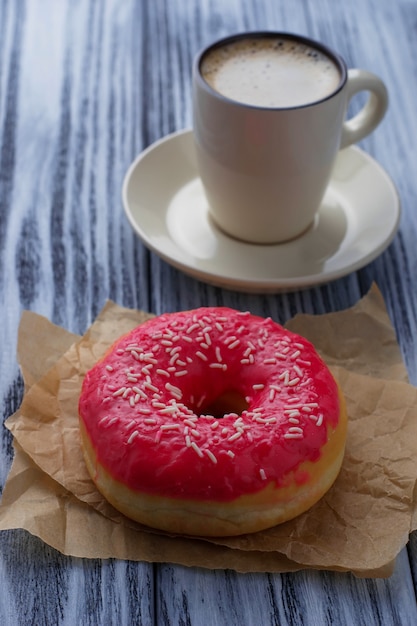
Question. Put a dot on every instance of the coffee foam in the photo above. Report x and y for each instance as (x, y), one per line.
(270, 72)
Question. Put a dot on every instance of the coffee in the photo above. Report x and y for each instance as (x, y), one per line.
(270, 72)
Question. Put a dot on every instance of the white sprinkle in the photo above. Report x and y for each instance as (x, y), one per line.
(168, 410)
(230, 339)
(158, 405)
(262, 474)
(133, 436)
(217, 365)
(306, 409)
(219, 327)
(231, 454)
(293, 382)
(187, 339)
(195, 447)
(270, 361)
(207, 338)
(191, 328)
(302, 362)
(120, 351)
(200, 402)
(218, 354)
(119, 392)
(279, 355)
(174, 390)
(132, 401)
(215, 424)
(132, 379)
(306, 382)
(109, 368)
(174, 358)
(201, 356)
(106, 421)
(162, 373)
(293, 420)
(295, 429)
(149, 385)
(319, 420)
(264, 420)
(211, 456)
(150, 421)
(295, 355)
(190, 422)
(170, 427)
(148, 358)
(294, 401)
(166, 342)
(293, 436)
(181, 373)
(244, 361)
(299, 345)
(298, 371)
(195, 433)
(234, 344)
(272, 393)
(235, 436)
(259, 386)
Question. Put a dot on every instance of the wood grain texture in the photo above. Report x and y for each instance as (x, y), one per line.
(84, 87)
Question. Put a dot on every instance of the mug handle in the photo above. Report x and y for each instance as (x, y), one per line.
(364, 122)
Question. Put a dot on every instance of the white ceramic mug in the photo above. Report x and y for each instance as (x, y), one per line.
(265, 164)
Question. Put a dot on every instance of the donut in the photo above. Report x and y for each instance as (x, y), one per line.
(212, 422)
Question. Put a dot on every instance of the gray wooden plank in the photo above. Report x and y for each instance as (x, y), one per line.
(84, 87)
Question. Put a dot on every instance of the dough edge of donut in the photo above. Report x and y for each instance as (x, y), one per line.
(246, 514)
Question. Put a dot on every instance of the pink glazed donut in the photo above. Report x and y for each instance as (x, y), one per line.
(212, 422)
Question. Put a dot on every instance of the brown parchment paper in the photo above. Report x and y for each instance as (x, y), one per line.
(360, 525)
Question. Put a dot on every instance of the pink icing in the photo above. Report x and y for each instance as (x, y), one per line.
(144, 405)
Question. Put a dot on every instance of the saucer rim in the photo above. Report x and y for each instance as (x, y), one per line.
(266, 286)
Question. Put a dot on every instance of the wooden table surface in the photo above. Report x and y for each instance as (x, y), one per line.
(85, 86)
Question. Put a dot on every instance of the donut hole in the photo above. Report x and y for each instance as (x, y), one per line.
(227, 402)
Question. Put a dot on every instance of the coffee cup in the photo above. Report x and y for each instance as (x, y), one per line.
(269, 118)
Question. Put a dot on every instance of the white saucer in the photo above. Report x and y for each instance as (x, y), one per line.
(166, 206)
